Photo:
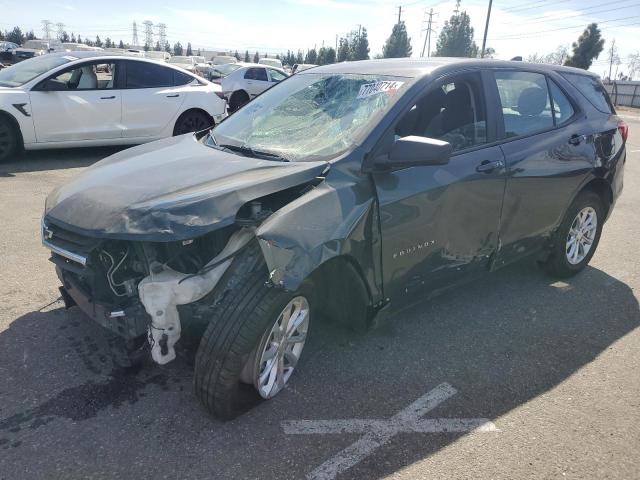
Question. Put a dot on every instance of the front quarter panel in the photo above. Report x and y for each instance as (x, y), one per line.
(9, 98)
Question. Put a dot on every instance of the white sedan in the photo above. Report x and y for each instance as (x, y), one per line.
(81, 99)
(242, 81)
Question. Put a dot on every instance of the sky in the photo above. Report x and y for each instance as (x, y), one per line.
(517, 27)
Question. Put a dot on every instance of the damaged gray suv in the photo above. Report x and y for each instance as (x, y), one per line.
(345, 192)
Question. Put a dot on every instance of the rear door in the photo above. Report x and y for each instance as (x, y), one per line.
(256, 80)
(549, 149)
(150, 99)
(440, 223)
(85, 105)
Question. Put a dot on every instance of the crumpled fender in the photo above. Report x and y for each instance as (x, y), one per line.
(338, 217)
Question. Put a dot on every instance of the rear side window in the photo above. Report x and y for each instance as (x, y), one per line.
(148, 75)
(181, 78)
(592, 89)
(256, 74)
(526, 106)
(562, 109)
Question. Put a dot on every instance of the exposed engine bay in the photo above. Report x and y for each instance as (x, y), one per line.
(134, 288)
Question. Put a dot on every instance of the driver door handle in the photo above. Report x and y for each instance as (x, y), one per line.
(173, 96)
(488, 166)
(108, 98)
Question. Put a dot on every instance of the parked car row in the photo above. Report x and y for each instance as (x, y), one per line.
(89, 98)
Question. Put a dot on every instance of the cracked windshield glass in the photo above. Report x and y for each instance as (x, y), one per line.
(310, 116)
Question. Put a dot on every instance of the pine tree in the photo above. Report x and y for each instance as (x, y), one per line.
(121, 45)
(79, 39)
(30, 35)
(73, 38)
(359, 45)
(237, 55)
(15, 36)
(456, 37)
(65, 37)
(246, 56)
(256, 57)
(146, 47)
(189, 51)
(98, 42)
(177, 48)
(157, 48)
(398, 44)
(343, 50)
(167, 48)
(330, 56)
(587, 48)
(299, 57)
(312, 56)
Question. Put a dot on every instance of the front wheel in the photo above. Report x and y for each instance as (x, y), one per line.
(253, 342)
(8, 140)
(577, 238)
(192, 121)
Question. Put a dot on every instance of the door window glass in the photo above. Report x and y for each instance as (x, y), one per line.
(148, 75)
(91, 76)
(256, 74)
(562, 109)
(453, 112)
(181, 78)
(525, 102)
(591, 88)
(276, 76)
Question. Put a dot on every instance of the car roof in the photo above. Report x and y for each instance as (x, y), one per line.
(418, 67)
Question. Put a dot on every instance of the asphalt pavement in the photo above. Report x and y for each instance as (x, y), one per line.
(516, 375)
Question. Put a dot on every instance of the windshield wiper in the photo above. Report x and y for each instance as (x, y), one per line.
(250, 152)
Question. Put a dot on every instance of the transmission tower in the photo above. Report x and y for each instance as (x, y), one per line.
(134, 39)
(429, 30)
(148, 33)
(46, 29)
(162, 35)
(59, 30)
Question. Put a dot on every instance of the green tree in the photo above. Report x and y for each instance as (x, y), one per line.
(98, 42)
(146, 47)
(65, 37)
(189, 51)
(167, 48)
(120, 44)
(299, 57)
(343, 49)
(1, 35)
(246, 56)
(177, 48)
(256, 57)
(311, 57)
(79, 39)
(30, 35)
(359, 45)
(456, 37)
(398, 44)
(15, 36)
(108, 43)
(157, 48)
(237, 55)
(587, 48)
(73, 38)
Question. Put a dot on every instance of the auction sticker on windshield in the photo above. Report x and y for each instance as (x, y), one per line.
(369, 89)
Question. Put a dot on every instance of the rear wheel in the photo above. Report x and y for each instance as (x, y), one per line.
(192, 121)
(238, 100)
(8, 140)
(577, 238)
(253, 342)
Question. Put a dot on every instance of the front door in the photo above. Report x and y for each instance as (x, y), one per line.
(150, 101)
(80, 103)
(440, 223)
(256, 81)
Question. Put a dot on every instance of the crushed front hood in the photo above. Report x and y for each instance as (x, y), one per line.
(174, 189)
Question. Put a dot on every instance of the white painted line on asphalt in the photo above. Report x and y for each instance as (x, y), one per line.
(377, 432)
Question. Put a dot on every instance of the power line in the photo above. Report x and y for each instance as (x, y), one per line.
(537, 4)
(549, 18)
(573, 27)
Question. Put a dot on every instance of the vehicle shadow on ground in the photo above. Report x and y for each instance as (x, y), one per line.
(500, 342)
(42, 160)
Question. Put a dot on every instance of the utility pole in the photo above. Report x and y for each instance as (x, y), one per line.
(134, 39)
(399, 13)
(427, 38)
(148, 33)
(60, 30)
(162, 34)
(486, 29)
(612, 54)
(46, 29)
(336, 43)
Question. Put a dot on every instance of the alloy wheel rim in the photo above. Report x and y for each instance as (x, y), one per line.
(280, 349)
(581, 235)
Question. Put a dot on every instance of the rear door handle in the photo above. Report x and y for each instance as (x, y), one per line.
(108, 98)
(488, 166)
(577, 139)
(173, 96)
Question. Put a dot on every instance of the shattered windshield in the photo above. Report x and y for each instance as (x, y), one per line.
(313, 116)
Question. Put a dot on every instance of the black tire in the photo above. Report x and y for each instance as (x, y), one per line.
(557, 264)
(245, 307)
(192, 121)
(238, 100)
(9, 141)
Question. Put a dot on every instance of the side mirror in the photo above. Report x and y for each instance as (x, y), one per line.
(414, 151)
